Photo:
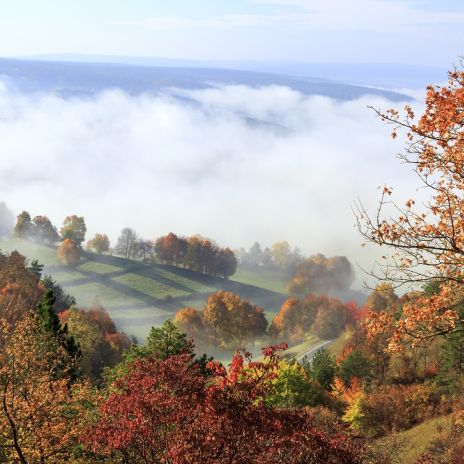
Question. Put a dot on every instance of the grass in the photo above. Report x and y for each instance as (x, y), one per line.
(336, 348)
(271, 280)
(139, 295)
(406, 447)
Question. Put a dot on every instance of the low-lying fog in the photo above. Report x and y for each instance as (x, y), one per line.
(237, 164)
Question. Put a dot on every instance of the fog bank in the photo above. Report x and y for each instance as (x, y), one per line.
(236, 163)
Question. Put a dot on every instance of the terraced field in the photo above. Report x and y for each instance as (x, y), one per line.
(139, 295)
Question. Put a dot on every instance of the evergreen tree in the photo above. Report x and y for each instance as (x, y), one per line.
(168, 340)
(51, 324)
(47, 315)
(322, 368)
(355, 365)
(36, 268)
(62, 300)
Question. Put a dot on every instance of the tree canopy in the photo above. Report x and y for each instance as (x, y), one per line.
(425, 240)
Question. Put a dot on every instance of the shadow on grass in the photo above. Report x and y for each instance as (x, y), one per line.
(265, 298)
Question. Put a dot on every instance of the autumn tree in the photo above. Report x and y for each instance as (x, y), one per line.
(225, 263)
(282, 255)
(232, 319)
(190, 321)
(321, 314)
(195, 253)
(20, 289)
(425, 239)
(41, 413)
(23, 226)
(100, 243)
(321, 275)
(100, 344)
(168, 249)
(382, 298)
(69, 253)
(44, 231)
(74, 229)
(331, 319)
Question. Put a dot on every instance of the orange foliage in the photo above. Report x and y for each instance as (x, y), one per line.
(324, 315)
(41, 415)
(69, 253)
(427, 241)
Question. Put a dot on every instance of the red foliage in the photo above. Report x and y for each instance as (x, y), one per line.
(166, 411)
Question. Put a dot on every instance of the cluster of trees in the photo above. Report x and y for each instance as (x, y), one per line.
(280, 256)
(226, 320)
(131, 246)
(318, 274)
(41, 229)
(100, 344)
(220, 417)
(197, 254)
(194, 253)
(314, 274)
(319, 314)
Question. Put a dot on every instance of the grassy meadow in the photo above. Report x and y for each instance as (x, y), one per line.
(140, 295)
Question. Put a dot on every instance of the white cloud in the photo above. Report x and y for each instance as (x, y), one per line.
(238, 164)
(371, 15)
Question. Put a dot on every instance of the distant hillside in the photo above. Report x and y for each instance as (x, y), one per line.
(139, 295)
(83, 79)
(390, 75)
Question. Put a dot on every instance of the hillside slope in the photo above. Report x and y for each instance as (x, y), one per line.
(139, 295)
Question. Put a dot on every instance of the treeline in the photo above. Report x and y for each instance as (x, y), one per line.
(309, 274)
(197, 254)
(279, 257)
(228, 321)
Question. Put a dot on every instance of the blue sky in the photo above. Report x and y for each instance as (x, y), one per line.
(416, 31)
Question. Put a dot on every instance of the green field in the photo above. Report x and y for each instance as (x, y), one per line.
(139, 295)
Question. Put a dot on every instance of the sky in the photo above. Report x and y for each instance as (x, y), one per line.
(423, 32)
